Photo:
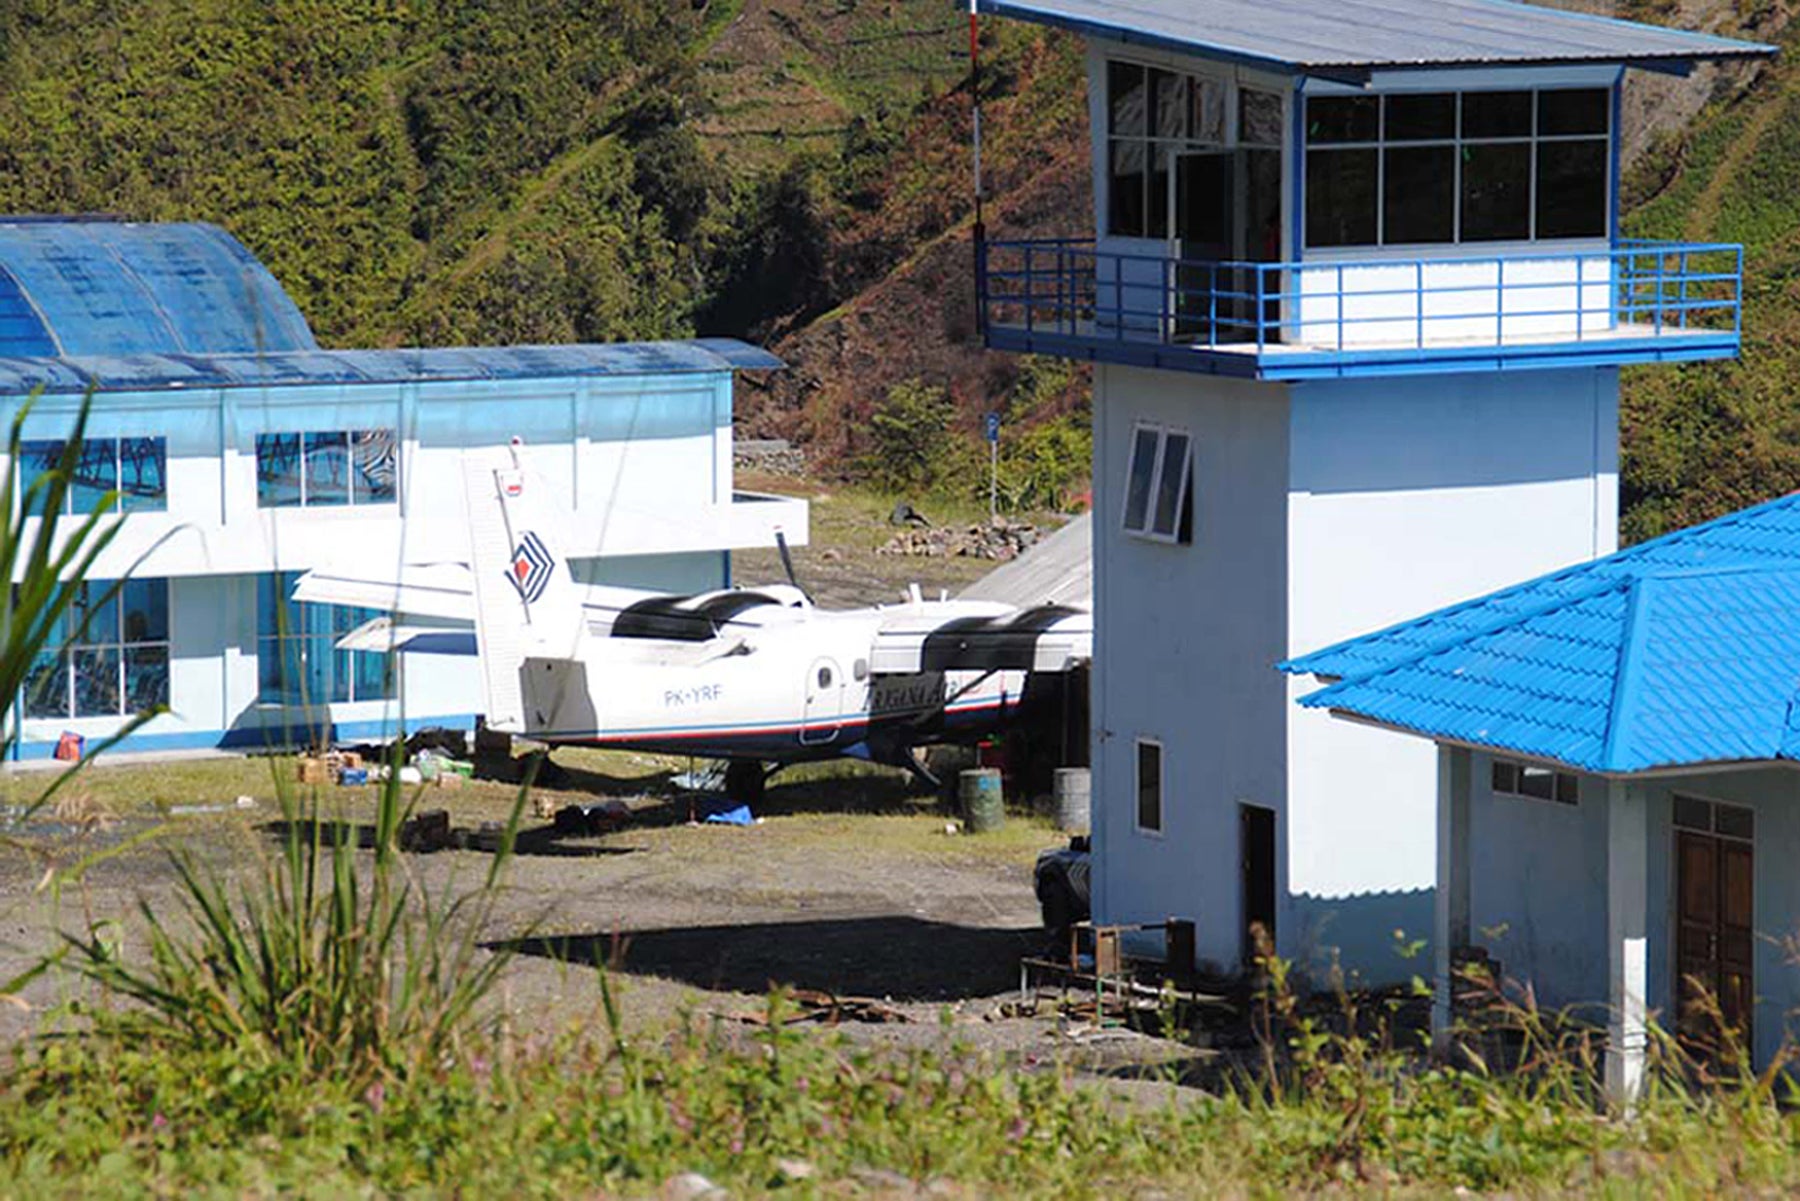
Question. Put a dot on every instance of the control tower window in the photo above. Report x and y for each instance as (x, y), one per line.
(1439, 168)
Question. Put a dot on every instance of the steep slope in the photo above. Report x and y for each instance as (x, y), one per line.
(1702, 440)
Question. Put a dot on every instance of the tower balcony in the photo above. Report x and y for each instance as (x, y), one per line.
(1637, 302)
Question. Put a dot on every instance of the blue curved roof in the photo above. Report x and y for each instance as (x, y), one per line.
(70, 288)
(1680, 651)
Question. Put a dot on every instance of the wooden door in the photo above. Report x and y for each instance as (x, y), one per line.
(1715, 941)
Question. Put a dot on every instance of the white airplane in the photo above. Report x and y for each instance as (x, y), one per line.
(757, 677)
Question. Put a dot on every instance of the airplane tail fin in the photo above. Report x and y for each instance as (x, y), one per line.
(527, 605)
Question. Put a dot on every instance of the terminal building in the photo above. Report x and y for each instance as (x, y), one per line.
(1357, 301)
(244, 454)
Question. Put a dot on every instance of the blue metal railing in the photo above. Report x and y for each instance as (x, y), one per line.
(1073, 289)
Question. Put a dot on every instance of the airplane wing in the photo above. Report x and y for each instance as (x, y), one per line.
(384, 635)
(1049, 638)
(440, 590)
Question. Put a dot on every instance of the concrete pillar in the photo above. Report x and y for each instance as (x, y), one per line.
(1627, 922)
(1452, 893)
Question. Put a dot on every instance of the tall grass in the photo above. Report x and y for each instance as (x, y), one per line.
(315, 957)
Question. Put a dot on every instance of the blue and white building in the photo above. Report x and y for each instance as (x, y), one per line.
(1356, 301)
(245, 454)
(1617, 803)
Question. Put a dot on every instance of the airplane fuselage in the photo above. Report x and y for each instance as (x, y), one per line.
(783, 694)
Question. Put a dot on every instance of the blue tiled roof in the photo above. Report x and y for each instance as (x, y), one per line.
(1680, 651)
(74, 287)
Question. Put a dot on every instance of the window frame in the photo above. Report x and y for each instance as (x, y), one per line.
(1532, 142)
(1156, 147)
(126, 504)
(293, 629)
(1162, 786)
(1181, 534)
(79, 641)
(1500, 765)
(354, 496)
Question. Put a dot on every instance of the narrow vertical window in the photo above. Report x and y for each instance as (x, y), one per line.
(1158, 493)
(1149, 786)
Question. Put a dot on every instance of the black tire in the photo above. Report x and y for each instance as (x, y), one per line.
(745, 781)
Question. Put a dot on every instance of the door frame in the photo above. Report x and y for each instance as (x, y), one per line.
(1673, 908)
(810, 709)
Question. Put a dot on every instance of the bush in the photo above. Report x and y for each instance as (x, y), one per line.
(912, 445)
(308, 963)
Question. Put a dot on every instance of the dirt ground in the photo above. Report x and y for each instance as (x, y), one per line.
(849, 885)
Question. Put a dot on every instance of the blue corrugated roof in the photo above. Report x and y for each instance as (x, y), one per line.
(150, 372)
(119, 307)
(1680, 651)
(1362, 35)
(74, 288)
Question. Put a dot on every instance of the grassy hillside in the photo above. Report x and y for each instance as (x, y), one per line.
(793, 171)
(1705, 439)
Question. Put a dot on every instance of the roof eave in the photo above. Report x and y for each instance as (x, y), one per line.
(1660, 771)
(1353, 72)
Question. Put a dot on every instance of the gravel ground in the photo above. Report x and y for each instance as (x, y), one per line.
(848, 886)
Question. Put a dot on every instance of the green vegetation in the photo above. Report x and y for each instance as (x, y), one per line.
(602, 1109)
(1702, 440)
(315, 962)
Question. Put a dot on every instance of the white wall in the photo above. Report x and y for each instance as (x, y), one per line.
(1408, 495)
(644, 462)
(1538, 892)
(1537, 888)
(1186, 641)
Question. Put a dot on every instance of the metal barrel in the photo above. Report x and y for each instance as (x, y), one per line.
(983, 799)
(1070, 791)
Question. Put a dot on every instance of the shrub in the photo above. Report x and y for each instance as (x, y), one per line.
(308, 962)
(912, 445)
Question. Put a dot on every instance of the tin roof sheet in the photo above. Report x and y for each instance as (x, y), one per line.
(152, 372)
(1363, 35)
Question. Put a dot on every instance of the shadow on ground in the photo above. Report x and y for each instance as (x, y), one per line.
(902, 958)
(543, 841)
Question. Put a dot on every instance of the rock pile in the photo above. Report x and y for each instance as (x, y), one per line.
(772, 456)
(1000, 539)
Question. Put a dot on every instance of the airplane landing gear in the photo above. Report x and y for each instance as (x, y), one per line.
(745, 780)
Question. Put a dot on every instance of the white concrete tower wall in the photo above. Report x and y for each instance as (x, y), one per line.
(1408, 495)
(1171, 617)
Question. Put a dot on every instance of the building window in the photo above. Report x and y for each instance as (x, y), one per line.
(1538, 783)
(1727, 821)
(321, 470)
(1446, 167)
(1158, 494)
(1151, 115)
(113, 659)
(135, 468)
(1149, 786)
(298, 662)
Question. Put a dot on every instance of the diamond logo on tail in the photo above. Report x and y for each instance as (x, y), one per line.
(531, 568)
